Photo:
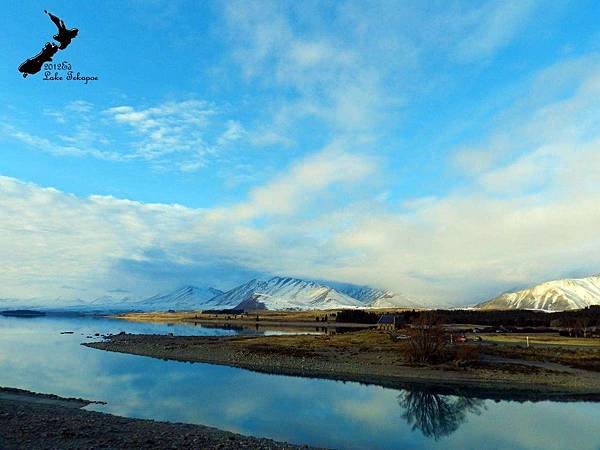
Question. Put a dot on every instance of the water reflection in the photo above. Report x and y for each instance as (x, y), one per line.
(436, 415)
(35, 355)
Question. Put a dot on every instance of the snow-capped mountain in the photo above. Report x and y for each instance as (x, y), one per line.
(277, 293)
(105, 304)
(557, 295)
(235, 296)
(377, 298)
(390, 299)
(283, 293)
(185, 298)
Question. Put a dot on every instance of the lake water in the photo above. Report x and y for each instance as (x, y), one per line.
(35, 356)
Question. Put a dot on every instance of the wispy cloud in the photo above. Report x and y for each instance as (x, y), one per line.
(168, 128)
(293, 190)
(173, 135)
(323, 77)
(324, 217)
(78, 145)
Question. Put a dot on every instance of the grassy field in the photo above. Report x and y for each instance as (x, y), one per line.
(298, 317)
(356, 341)
(587, 358)
(381, 346)
(283, 316)
(539, 339)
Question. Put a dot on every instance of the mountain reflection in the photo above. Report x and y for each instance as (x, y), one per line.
(436, 415)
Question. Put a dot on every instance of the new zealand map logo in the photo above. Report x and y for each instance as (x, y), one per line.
(64, 36)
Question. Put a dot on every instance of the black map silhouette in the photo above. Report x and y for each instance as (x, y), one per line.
(64, 37)
(34, 64)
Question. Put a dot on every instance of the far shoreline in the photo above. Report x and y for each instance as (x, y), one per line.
(278, 319)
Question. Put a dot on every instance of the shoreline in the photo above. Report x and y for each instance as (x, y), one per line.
(205, 319)
(30, 420)
(21, 395)
(295, 356)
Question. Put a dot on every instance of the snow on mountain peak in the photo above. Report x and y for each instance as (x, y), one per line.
(276, 293)
(184, 298)
(281, 293)
(556, 295)
(377, 298)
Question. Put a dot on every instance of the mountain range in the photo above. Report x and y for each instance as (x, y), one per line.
(557, 295)
(286, 293)
(276, 293)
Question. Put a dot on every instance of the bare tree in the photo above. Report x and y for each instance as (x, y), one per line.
(583, 324)
(427, 339)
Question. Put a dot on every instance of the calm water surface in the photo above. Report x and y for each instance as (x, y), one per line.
(35, 356)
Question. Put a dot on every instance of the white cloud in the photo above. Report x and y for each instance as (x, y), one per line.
(234, 132)
(79, 106)
(289, 192)
(51, 239)
(174, 135)
(528, 213)
(545, 138)
(172, 127)
(75, 145)
(309, 221)
(324, 77)
(526, 209)
(354, 67)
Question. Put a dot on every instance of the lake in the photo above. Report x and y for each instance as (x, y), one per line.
(35, 356)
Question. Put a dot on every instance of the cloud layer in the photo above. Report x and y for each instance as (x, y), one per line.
(524, 216)
(408, 149)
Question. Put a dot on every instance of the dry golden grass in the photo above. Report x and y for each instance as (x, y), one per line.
(356, 346)
(356, 340)
(267, 316)
(578, 357)
(540, 339)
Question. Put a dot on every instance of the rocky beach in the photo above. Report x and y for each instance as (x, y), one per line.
(38, 421)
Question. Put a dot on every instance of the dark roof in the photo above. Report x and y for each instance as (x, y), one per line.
(386, 318)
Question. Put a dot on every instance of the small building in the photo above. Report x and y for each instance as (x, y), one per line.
(390, 322)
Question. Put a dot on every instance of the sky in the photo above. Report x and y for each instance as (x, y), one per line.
(447, 150)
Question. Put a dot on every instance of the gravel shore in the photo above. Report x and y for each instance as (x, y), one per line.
(377, 363)
(37, 421)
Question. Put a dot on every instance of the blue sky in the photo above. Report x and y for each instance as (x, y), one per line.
(448, 150)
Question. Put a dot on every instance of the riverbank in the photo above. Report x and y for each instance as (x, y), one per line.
(364, 356)
(38, 421)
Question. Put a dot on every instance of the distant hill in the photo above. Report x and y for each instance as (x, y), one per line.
(376, 298)
(22, 313)
(558, 295)
(184, 298)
